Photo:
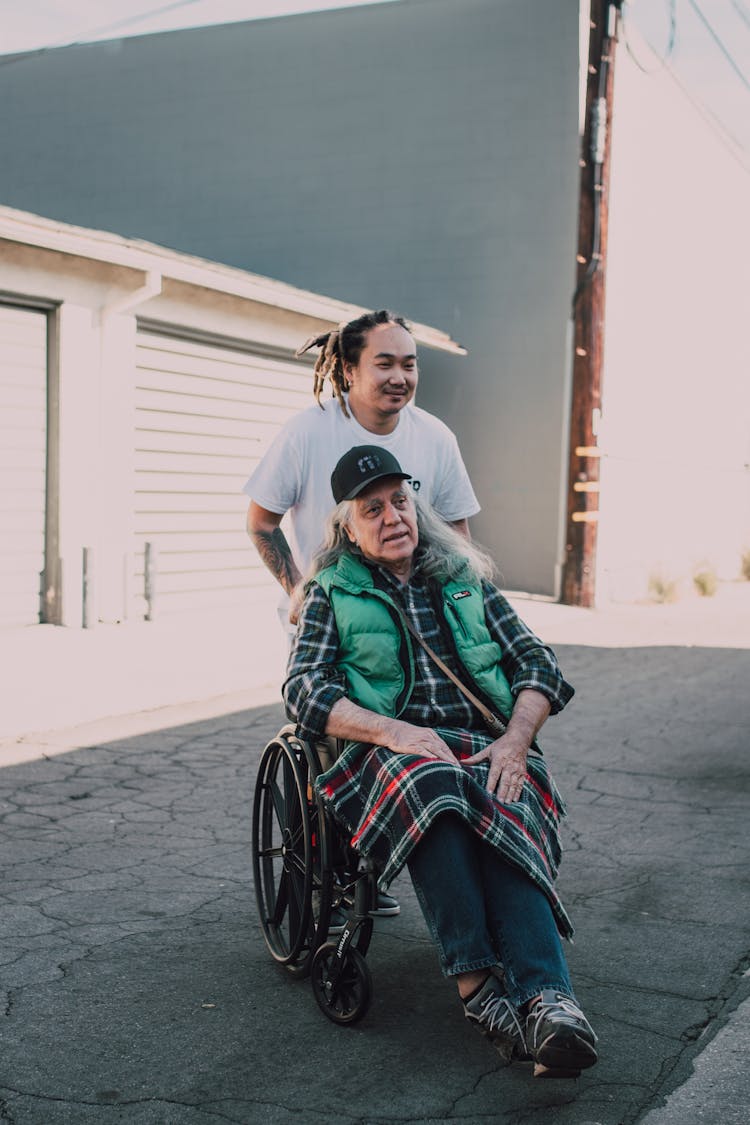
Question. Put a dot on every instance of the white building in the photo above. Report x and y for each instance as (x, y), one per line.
(138, 389)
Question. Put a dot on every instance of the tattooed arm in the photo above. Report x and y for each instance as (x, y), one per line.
(272, 546)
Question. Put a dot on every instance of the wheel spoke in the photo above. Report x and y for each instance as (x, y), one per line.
(297, 836)
(296, 906)
(290, 793)
(279, 803)
(282, 899)
(299, 897)
(297, 862)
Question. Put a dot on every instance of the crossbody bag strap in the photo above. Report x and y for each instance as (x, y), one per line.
(494, 724)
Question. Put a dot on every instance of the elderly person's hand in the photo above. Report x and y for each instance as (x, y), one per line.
(507, 754)
(405, 738)
(348, 720)
(507, 758)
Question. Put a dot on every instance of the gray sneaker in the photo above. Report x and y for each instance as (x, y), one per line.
(386, 907)
(559, 1038)
(494, 1016)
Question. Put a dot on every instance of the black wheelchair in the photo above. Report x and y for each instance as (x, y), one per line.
(304, 870)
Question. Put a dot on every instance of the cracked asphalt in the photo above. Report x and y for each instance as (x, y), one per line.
(135, 986)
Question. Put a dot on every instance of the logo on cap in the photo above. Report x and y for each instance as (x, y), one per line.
(368, 464)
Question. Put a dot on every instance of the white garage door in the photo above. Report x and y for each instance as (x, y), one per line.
(23, 442)
(205, 414)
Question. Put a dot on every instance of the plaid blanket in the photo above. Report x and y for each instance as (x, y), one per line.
(386, 802)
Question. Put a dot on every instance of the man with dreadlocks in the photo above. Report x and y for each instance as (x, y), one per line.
(371, 363)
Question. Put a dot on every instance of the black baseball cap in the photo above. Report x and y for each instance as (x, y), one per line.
(361, 466)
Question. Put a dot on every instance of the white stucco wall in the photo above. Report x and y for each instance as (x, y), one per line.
(676, 396)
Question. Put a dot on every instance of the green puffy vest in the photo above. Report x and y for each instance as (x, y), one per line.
(376, 652)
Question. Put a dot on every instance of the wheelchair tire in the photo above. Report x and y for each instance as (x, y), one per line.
(349, 999)
(293, 879)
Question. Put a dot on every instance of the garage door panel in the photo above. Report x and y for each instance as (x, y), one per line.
(203, 502)
(197, 600)
(204, 417)
(154, 525)
(23, 359)
(177, 542)
(22, 460)
(18, 608)
(22, 392)
(218, 364)
(150, 441)
(17, 523)
(23, 444)
(193, 562)
(23, 544)
(236, 580)
(20, 425)
(186, 462)
(209, 483)
(175, 383)
(250, 406)
(22, 477)
(20, 500)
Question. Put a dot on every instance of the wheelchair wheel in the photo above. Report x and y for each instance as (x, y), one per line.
(348, 1000)
(293, 879)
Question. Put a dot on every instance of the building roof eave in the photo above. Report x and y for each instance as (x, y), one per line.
(103, 246)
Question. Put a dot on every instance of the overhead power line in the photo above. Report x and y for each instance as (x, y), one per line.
(741, 11)
(662, 59)
(733, 145)
(86, 36)
(130, 20)
(720, 43)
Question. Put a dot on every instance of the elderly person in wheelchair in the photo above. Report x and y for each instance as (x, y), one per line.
(473, 815)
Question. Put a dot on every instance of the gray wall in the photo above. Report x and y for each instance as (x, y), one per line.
(420, 155)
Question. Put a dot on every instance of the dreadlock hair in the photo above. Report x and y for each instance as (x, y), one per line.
(342, 346)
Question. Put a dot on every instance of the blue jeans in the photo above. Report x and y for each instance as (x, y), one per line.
(482, 911)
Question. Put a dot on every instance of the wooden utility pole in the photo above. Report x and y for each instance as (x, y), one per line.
(578, 577)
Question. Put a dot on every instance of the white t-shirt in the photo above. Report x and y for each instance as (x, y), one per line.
(295, 474)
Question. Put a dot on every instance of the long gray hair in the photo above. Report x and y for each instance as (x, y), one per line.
(444, 553)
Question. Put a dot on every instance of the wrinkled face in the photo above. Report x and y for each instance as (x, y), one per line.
(385, 378)
(383, 522)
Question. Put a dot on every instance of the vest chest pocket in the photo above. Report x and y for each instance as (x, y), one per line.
(459, 620)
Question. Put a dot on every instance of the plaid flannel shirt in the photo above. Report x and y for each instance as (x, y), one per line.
(314, 683)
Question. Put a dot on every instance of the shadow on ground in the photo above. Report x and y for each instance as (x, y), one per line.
(136, 987)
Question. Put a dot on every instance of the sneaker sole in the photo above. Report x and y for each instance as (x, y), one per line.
(541, 1071)
(564, 1052)
(385, 912)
